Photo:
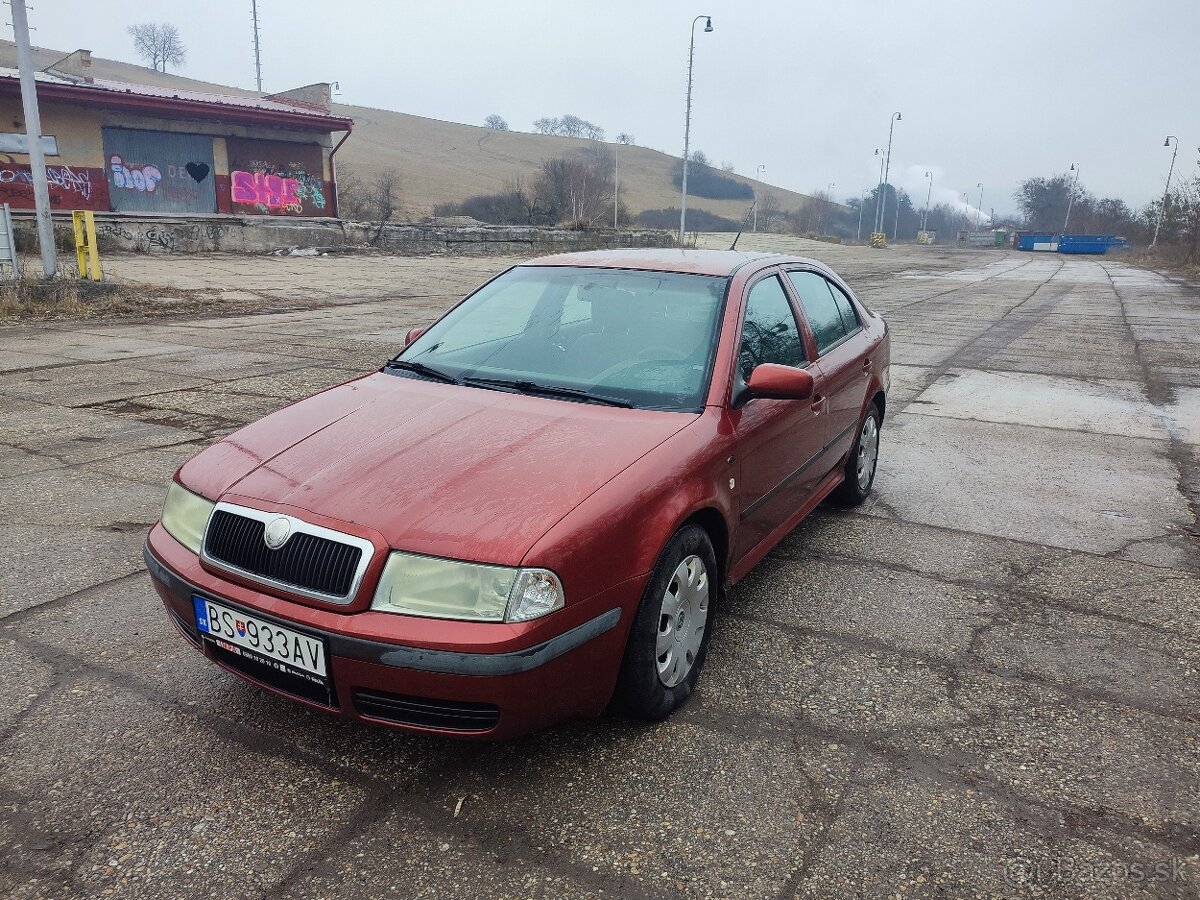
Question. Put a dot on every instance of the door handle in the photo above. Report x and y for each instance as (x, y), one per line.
(818, 403)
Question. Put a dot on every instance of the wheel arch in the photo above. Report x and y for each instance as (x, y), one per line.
(880, 400)
(713, 522)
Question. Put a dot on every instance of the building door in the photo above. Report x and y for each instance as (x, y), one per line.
(159, 171)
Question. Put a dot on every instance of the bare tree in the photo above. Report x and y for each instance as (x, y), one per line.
(352, 195)
(495, 122)
(383, 198)
(625, 138)
(546, 125)
(158, 44)
(769, 210)
(727, 166)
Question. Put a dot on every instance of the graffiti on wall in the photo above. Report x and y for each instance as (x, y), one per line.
(134, 178)
(269, 192)
(70, 187)
(274, 190)
(277, 178)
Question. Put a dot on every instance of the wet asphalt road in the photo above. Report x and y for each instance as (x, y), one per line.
(983, 683)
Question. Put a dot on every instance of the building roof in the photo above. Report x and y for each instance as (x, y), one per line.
(183, 103)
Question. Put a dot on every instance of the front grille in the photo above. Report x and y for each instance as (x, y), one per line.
(306, 561)
(316, 691)
(451, 715)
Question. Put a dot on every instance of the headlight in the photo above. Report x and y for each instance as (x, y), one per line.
(447, 589)
(184, 516)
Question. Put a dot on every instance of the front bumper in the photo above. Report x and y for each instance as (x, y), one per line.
(461, 687)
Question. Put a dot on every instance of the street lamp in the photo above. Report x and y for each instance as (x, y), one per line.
(1071, 198)
(861, 200)
(928, 194)
(979, 207)
(887, 166)
(1162, 210)
(757, 173)
(687, 124)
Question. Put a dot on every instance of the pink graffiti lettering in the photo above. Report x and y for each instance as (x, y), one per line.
(261, 189)
(143, 178)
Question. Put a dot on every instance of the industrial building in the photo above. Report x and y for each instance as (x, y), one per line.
(121, 147)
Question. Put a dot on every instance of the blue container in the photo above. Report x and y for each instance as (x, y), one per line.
(1044, 243)
(1094, 244)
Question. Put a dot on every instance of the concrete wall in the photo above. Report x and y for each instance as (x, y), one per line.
(265, 234)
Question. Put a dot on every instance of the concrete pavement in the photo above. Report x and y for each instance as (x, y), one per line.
(983, 683)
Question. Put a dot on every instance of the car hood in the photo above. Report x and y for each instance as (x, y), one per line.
(434, 468)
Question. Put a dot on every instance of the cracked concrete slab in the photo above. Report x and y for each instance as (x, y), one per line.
(987, 671)
(1099, 493)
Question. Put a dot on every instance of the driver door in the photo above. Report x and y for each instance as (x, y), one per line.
(777, 440)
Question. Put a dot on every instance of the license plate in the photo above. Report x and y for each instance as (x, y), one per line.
(292, 649)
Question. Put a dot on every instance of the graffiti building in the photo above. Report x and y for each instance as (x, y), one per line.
(120, 147)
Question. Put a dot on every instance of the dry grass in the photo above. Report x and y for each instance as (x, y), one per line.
(443, 162)
(32, 299)
(1162, 259)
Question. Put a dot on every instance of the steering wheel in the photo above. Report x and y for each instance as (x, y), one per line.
(646, 355)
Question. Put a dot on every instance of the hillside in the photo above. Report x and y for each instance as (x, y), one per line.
(446, 161)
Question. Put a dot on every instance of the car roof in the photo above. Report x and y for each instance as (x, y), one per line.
(696, 262)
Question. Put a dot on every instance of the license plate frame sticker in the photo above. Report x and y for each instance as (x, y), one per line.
(262, 639)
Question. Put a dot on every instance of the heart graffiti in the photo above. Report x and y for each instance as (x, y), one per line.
(198, 171)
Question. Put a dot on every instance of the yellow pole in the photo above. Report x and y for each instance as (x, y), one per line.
(87, 254)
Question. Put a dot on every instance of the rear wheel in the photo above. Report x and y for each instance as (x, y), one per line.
(669, 636)
(861, 463)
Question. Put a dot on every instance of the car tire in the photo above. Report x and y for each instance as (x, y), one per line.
(654, 681)
(861, 463)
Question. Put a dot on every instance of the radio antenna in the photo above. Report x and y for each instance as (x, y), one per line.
(745, 219)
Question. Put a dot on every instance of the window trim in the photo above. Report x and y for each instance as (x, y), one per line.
(799, 302)
(801, 324)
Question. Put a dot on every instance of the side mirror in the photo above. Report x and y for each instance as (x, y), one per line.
(774, 382)
(413, 334)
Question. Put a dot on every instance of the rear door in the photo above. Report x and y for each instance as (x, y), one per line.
(777, 440)
(843, 356)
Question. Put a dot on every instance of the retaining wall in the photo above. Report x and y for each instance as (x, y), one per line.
(262, 234)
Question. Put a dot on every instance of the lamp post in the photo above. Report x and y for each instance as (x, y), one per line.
(861, 200)
(928, 194)
(887, 167)
(979, 207)
(1071, 198)
(757, 173)
(825, 208)
(687, 124)
(33, 139)
(1162, 210)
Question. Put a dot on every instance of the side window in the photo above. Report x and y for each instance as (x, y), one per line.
(820, 307)
(845, 307)
(769, 333)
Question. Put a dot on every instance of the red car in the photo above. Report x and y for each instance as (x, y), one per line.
(528, 513)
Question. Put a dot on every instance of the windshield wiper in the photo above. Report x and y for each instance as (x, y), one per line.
(550, 390)
(422, 369)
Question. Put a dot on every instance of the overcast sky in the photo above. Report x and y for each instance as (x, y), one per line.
(991, 91)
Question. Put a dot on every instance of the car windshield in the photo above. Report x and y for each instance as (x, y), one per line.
(642, 339)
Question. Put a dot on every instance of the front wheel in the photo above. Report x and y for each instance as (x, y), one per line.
(669, 636)
(861, 463)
